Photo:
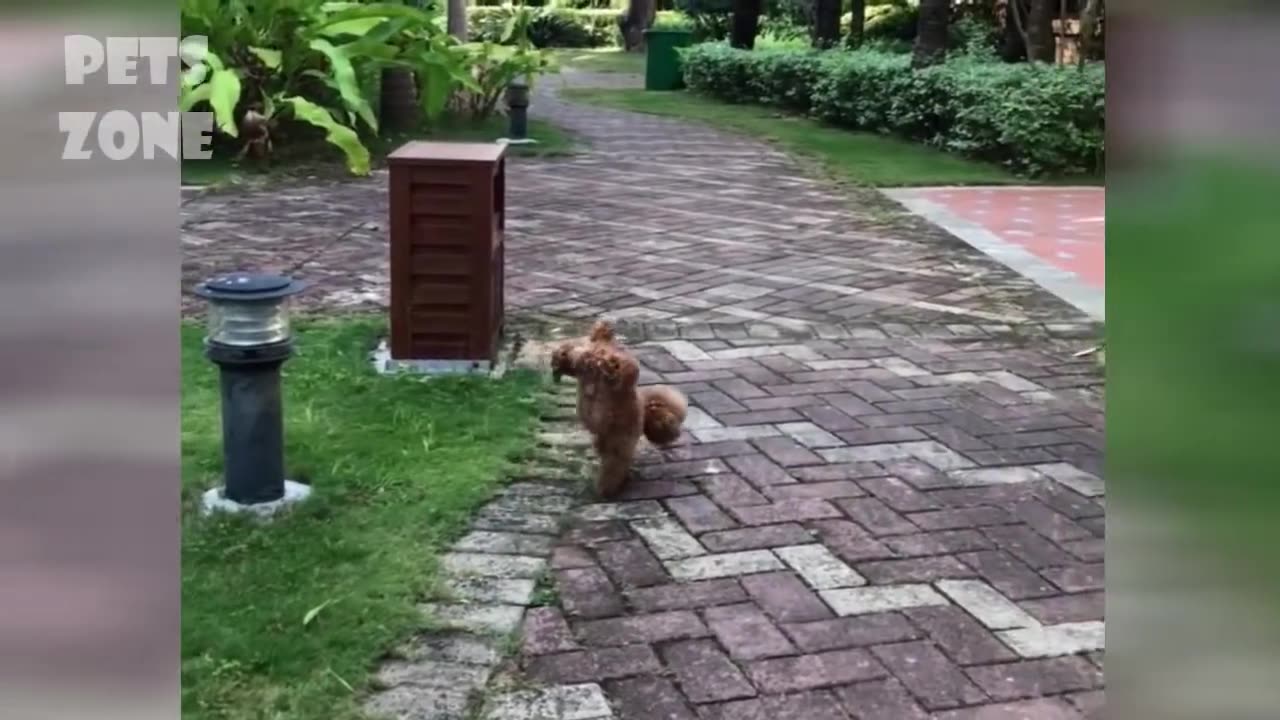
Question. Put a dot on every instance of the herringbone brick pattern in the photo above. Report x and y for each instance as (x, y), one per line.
(887, 504)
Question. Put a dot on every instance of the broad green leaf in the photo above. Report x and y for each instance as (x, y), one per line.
(355, 26)
(190, 98)
(377, 44)
(376, 52)
(509, 27)
(436, 86)
(213, 61)
(341, 136)
(269, 57)
(348, 87)
(224, 93)
(194, 75)
(384, 11)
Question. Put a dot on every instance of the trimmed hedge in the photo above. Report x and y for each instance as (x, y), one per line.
(551, 27)
(1035, 119)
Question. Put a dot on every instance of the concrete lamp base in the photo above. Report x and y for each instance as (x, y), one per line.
(215, 501)
(521, 141)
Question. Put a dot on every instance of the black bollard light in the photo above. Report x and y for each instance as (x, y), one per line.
(250, 339)
(517, 97)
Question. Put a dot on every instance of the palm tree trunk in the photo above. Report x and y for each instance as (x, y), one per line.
(398, 100)
(931, 33)
(457, 19)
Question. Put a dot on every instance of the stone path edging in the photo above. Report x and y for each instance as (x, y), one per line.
(489, 581)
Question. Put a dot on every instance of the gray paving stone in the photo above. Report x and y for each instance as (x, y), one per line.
(500, 566)
(565, 702)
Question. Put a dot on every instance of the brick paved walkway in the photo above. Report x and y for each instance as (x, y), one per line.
(887, 505)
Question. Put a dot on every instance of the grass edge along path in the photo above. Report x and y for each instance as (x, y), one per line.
(860, 158)
(320, 157)
(608, 60)
(288, 619)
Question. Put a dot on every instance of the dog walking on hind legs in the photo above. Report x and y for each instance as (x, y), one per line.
(612, 408)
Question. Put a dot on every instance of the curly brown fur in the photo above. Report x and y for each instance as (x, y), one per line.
(612, 408)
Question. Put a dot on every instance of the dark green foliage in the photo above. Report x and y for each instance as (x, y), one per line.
(1033, 119)
(550, 27)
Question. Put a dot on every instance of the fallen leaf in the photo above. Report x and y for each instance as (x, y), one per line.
(313, 612)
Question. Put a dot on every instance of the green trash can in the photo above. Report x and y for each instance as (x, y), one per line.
(662, 62)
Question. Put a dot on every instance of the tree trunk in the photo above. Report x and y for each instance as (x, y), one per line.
(745, 24)
(931, 33)
(457, 19)
(826, 23)
(398, 100)
(857, 22)
(1041, 44)
(398, 108)
(1013, 46)
(637, 18)
(1088, 28)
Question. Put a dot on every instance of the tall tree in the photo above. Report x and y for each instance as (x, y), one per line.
(1034, 22)
(826, 23)
(931, 33)
(857, 22)
(637, 18)
(457, 19)
(1013, 44)
(1089, 29)
(745, 23)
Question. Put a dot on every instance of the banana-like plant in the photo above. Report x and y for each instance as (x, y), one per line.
(494, 66)
(271, 61)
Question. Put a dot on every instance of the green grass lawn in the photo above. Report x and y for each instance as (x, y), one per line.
(320, 158)
(398, 464)
(601, 60)
(857, 157)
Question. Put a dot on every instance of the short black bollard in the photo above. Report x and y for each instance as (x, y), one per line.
(250, 339)
(517, 96)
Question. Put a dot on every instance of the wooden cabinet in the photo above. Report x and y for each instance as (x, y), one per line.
(448, 205)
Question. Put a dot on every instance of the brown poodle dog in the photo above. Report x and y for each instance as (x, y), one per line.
(612, 408)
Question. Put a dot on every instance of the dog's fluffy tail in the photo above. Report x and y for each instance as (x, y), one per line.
(664, 412)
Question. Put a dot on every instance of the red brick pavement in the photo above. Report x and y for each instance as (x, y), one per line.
(887, 502)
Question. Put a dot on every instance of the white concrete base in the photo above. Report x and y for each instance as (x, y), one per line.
(215, 501)
(384, 364)
(522, 141)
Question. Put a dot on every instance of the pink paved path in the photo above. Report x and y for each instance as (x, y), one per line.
(1062, 226)
(1055, 235)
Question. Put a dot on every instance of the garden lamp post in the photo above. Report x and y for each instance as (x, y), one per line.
(249, 339)
(517, 97)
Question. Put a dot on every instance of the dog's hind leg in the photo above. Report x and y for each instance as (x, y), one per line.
(616, 456)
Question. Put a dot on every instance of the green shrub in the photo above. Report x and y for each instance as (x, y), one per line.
(1033, 118)
(588, 4)
(550, 27)
(889, 22)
